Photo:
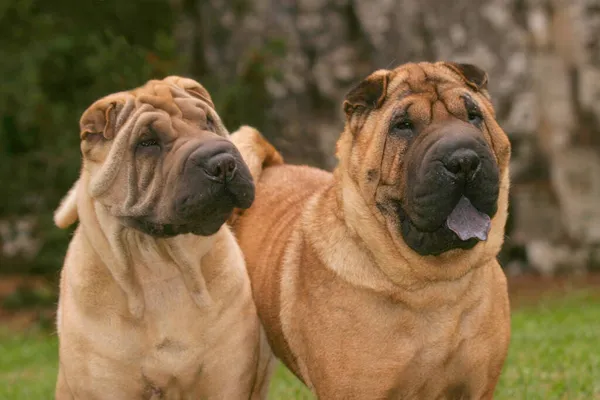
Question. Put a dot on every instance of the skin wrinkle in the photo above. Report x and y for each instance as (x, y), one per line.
(190, 114)
(128, 108)
(490, 141)
(359, 122)
(395, 115)
(145, 201)
(113, 253)
(372, 144)
(403, 93)
(145, 120)
(106, 176)
(220, 127)
(132, 193)
(152, 193)
(380, 169)
(156, 102)
(146, 178)
(194, 281)
(433, 103)
(148, 185)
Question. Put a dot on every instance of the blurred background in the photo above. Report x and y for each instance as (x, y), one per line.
(284, 66)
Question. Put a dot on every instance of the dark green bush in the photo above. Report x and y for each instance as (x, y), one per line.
(57, 57)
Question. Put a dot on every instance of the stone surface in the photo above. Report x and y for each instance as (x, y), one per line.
(543, 58)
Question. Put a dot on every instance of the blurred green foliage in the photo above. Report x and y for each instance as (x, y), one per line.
(244, 100)
(57, 58)
(24, 297)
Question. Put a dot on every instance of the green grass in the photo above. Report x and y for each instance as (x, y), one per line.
(555, 351)
(28, 365)
(554, 354)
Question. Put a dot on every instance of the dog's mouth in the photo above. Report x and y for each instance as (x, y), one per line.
(199, 212)
(463, 228)
(467, 222)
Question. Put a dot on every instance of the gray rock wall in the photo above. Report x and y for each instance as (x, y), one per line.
(295, 59)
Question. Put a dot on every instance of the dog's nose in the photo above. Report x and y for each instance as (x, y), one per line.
(463, 163)
(215, 160)
(221, 167)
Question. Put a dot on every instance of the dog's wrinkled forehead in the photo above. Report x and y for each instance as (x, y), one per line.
(430, 79)
(177, 97)
(434, 79)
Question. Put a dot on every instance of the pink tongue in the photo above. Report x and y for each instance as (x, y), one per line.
(468, 222)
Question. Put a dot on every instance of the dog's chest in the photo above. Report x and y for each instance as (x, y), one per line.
(392, 352)
(175, 328)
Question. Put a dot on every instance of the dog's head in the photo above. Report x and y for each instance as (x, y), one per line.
(159, 159)
(425, 152)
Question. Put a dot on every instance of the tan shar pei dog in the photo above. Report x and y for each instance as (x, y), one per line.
(380, 281)
(155, 301)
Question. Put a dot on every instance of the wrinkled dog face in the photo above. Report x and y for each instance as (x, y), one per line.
(159, 159)
(436, 153)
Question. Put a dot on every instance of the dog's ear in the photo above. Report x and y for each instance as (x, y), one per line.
(472, 75)
(368, 94)
(192, 87)
(100, 118)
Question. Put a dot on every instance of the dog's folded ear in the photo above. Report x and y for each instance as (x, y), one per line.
(472, 75)
(101, 118)
(368, 94)
(191, 86)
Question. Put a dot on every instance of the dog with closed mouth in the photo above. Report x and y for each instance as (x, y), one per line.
(380, 281)
(155, 301)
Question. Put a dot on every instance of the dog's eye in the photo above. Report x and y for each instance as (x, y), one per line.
(148, 143)
(474, 116)
(402, 128)
(210, 124)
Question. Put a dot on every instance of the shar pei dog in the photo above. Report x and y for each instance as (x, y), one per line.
(155, 301)
(380, 281)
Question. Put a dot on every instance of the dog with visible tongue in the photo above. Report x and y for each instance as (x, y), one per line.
(380, 281)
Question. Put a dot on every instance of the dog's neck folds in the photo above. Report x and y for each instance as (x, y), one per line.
(112, 243)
